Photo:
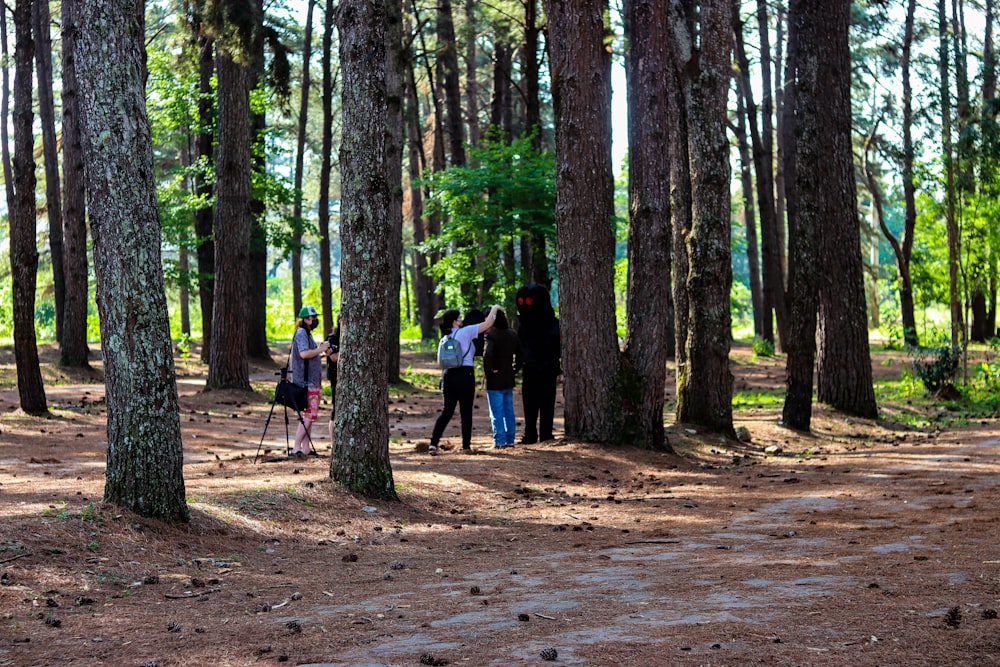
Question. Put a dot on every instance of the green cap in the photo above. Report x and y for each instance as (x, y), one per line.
(307, 311)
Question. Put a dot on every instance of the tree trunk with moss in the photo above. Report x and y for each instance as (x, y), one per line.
(145, 457)
(705, 388)
(361, 433)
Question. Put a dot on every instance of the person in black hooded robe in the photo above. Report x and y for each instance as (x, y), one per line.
(538, 330)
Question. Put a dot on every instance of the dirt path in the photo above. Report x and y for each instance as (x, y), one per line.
(862, 544)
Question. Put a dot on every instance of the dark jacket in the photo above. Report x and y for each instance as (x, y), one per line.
(502, 358)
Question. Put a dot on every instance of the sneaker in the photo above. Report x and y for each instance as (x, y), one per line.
(432, 450)
(313, 452)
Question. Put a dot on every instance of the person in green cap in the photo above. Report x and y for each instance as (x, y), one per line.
(307, 369)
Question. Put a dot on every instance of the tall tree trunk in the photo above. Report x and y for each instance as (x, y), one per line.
(680, 214)
(773, 298)
(581, 90)
(535, 246)
(8, 170)
(705, 391)
(809, 147)
(422, 287)
(844, 369)
(905, 248)
(471, 80)
(447, 59)
(203, 217)
(50, 151)
(325, 171)
(361, 455)
(73, 350)
(145, 457)
(256, 275)
(650, 338)
(749, 215)
(954, 249)
(228, 357)
(989, 132)
(500, 109)
(300, 150)
(394, 178)
(295, 256)
(23, 250)
(766, 199)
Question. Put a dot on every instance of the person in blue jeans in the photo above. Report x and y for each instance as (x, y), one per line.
(501, 361)
(459, 384)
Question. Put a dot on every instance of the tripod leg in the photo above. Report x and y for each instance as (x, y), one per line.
(288, 448)
(266, 423)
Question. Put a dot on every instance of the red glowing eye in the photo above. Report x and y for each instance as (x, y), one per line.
(520, 301)
(528, 301)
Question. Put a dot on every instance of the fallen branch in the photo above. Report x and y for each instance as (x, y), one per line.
(191, 594)
(548, 618)
(7, 560)
(655, 542)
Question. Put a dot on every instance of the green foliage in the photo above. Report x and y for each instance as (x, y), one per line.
(936, 367)
(510, 192)
(744, 400)
(763, 347)
(988, 370)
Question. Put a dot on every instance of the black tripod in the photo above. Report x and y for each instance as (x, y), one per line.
(280, 391)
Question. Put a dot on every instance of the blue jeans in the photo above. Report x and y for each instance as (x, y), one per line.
(502, 415)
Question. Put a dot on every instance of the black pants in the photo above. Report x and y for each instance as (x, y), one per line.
(459, 386)
(538, 393)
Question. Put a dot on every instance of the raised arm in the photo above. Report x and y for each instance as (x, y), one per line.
(490, 319)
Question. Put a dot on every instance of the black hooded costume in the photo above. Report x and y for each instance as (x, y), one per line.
(539, 333)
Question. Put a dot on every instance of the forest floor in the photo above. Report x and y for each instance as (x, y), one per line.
(862, 543)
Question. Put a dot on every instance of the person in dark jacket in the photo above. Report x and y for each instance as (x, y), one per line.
(501, 360)
(540, 364)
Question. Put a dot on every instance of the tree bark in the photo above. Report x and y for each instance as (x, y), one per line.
(844, 369)
(300, 149)
(361, 453)
(471, 80)
(773, 295)
(447, 59)
(203, 217)
(810, 148)
(50, 151)
(394, 179)
(23, 251)
(581, 93)
(228, 367)
(649, 341)
(749, 218)
(905, 248)
(325, 172)
(256, 274)
(704, 393)
(954, 242)
(416, 162)
(74, 351)
(535, 247)
(145, 457)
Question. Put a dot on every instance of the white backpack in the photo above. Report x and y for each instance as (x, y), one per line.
(450, 353)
